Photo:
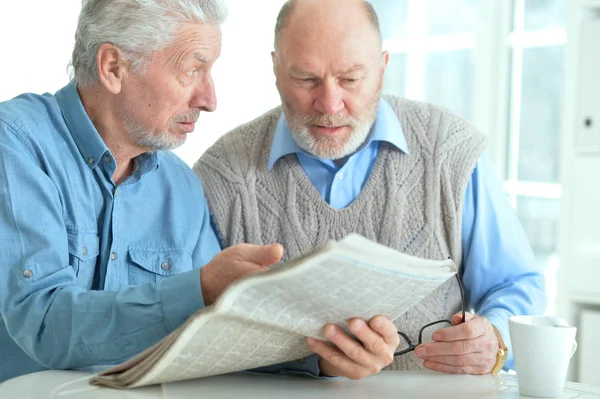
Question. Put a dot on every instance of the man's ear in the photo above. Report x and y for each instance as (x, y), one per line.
(112, 67)
(275, 61)
(385, 57)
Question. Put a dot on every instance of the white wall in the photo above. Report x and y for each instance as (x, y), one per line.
(36, 41)
(37, 37)
(243, 75)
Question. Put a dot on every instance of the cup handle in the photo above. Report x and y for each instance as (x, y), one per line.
(574, 348)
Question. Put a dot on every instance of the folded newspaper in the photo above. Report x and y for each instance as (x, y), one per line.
(263, 319)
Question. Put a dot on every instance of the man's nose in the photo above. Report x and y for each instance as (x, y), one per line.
(330, 100)
(205, 97)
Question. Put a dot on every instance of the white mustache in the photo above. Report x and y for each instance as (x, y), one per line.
(190, 117)
(330, 121)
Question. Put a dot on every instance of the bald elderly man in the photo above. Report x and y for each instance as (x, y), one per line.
(337, 158)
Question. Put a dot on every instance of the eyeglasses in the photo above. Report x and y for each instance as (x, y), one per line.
(411, 347)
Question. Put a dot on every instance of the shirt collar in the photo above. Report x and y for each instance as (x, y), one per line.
(80, 126)
(84, 133)
(386, 128)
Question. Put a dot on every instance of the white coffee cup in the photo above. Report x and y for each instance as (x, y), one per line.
(542, 347)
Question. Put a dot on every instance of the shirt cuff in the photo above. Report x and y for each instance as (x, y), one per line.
(181, 297)
(499, 319)
(308, 366)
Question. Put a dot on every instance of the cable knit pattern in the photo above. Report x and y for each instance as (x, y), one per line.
(411, 202)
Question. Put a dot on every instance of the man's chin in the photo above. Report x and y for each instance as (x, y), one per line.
(330, 153)
(162, 146)
(173, 145)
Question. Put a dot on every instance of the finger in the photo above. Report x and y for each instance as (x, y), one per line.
(263, 255)
(382, 353)
(386, 329)
(441, 348)
(473, 328)
(336, 362)
(445, 368)
(470, 360)
(349, 347)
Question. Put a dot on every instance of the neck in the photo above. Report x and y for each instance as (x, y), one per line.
(100, 106)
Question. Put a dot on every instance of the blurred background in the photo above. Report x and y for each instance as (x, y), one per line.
(499, 63)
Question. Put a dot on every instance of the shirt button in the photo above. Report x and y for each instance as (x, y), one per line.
(28, 273)
(116, 192)
(107, 159)
(113, 256)
(340, 175)
(90, 161)
(165, 266)
(85, 250)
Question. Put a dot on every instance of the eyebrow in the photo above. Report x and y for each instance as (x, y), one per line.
(199, 57)
(179, 60)
(354, 68)
(300, 71)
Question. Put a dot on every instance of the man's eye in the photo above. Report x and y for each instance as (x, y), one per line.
(192, 72)
(350, 80)
(306, 80)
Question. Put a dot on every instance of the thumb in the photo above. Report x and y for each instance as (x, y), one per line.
(457, 318)
(264, 255)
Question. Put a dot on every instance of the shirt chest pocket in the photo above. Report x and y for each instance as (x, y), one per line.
(150, 265)
(83, 255)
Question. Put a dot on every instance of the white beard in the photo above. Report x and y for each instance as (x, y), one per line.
(326, 148)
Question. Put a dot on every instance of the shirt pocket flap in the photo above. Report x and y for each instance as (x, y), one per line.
(84, 246)
(161, 262)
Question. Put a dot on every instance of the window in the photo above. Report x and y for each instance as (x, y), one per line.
(500, 65)
(537, 42)
(431, 55)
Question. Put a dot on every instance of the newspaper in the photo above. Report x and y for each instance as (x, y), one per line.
(263, 319)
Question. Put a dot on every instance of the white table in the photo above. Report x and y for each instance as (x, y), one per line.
(388, 384)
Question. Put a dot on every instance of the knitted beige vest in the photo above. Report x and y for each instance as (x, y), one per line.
(411, 202)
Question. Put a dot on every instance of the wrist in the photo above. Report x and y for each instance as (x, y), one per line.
(322, 372)
(206, 295)
(501, 353)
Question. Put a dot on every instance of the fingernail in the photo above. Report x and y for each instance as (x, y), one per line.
(436, 337)
(421, 352)
(356, 324)
(277, 251)
(378, 323)
(329, 331)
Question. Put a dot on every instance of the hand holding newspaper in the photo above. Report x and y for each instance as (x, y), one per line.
(263, 319)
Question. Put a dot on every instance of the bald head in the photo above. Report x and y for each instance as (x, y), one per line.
(327, 11)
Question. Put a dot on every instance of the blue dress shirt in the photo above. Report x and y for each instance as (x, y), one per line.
(91, 273)
(500, 275)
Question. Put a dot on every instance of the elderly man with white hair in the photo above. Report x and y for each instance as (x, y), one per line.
(106, 239)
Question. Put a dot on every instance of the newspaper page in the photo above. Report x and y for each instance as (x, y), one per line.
(263, 319)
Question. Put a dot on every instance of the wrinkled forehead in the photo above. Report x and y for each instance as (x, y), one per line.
(329, 32)
(334, 51)
(202, 41)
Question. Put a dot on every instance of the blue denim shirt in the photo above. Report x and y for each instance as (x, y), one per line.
(500, 274)
(90, 272)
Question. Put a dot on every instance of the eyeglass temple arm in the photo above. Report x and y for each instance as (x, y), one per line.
(462, 297)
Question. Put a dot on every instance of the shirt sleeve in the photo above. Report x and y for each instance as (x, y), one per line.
(56, 322)
(308, 366)
(500, 273)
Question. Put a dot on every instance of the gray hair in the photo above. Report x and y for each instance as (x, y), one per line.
(137, 28)
(288, 7)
